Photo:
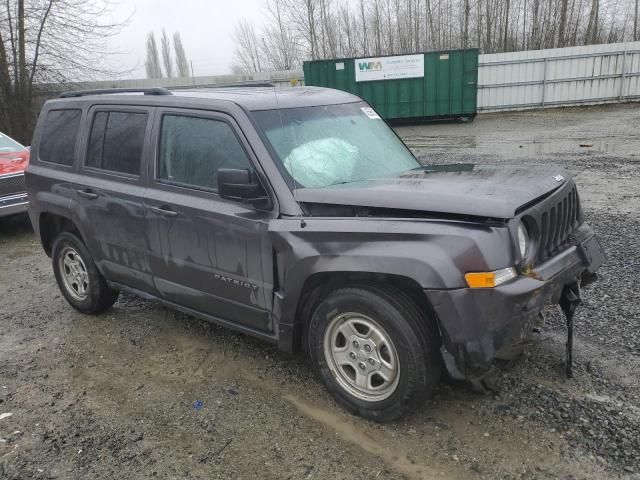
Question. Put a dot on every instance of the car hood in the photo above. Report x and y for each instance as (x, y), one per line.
(465, 189)
(13, 162)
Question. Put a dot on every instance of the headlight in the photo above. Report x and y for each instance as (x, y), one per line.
(523, 239)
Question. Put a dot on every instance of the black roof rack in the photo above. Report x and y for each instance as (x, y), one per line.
(244, 84)
(257, 83)
(105, 91)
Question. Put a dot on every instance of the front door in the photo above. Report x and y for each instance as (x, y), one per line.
(207, 253)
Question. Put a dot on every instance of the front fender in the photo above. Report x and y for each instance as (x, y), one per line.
(435, 254)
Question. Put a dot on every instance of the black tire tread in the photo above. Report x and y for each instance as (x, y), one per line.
(427, 338)
(419, 320)
(102, 297)
(428, 331)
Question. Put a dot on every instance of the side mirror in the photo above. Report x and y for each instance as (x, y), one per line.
(240, 185)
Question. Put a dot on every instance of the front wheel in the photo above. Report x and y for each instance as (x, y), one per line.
(375, 350)
(79, 280)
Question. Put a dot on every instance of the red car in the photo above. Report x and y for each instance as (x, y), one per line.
(14, 159)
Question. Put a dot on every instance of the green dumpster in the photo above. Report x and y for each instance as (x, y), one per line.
(406, 88)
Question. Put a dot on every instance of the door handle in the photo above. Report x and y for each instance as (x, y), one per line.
(166, 211)
(87, 193)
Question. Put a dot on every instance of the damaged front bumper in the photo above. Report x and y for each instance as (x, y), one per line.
(480, 325)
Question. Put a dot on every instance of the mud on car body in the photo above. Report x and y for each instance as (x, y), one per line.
(297, 215)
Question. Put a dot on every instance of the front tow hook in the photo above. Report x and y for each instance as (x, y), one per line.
(569, 301)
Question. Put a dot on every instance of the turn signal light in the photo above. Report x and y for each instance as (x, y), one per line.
(490, 279)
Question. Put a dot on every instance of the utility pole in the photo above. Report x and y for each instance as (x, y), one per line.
(193, 78)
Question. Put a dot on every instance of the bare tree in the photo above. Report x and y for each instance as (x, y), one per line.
(182, 64)
(49, 42)
(575, 23)
(346, 28)
(505, 36)
(562, 22)
(592, 27)
(280, 40)
(489, 19)
(635, 22)
(248, 52)
(303, 15)
(328, 26)
(465, 31)
(365, 40)
(349, 32)
(152, 63)
(167, 58)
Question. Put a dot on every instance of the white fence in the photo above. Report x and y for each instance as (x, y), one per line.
(559, 76)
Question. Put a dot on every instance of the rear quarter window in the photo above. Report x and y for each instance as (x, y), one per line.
(59, 135)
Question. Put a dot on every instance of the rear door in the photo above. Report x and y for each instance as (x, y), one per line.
(110, 188)
(207, 253)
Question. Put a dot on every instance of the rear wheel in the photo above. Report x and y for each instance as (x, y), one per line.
(375, 350)
(79, 280)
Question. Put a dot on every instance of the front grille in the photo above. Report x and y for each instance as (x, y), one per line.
(12, 184)
(557, 223)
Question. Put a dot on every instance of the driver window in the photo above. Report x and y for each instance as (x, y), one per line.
(193, 149)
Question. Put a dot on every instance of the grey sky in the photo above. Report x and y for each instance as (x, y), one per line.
(206, 27)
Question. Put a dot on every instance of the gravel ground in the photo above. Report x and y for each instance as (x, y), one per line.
(142, 392)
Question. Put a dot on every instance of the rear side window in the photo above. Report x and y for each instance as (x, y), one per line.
(193, 149)
(59, 134)
(116, 141)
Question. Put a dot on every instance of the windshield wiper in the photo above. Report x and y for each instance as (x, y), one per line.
(445, 167)
(342, 183)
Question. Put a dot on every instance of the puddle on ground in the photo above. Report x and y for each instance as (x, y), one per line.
(437, 142)
(396, 458)
(522, 148)
(535, 148)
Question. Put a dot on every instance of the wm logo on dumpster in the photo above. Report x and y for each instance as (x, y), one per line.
(370, 66)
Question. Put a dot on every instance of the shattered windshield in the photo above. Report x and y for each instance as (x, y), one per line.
(334, 144)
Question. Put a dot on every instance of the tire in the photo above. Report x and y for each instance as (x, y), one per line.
(79, 280)
(400, 335)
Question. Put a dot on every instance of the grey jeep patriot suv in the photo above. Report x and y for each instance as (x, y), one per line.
(298, 216)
